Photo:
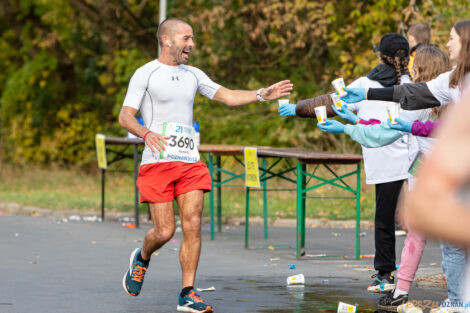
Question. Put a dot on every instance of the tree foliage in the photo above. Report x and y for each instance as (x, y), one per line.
(67, 63)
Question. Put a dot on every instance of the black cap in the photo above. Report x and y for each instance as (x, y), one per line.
(391, 43)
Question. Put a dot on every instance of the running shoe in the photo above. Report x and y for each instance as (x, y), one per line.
(134, 277)
(382, 283)
(192, 302)
(389, 303)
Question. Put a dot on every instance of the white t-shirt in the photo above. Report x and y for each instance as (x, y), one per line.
(165, 93)
(439, 87)
(388, 163)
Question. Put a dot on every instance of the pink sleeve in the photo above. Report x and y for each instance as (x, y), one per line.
(371, 121)
(423, 129)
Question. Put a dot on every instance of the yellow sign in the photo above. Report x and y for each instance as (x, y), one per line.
(101, 151)
(251, 168)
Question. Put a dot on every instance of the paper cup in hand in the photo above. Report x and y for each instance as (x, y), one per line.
(393, 112)
(346, 308)
(296, 280)
(321, 114)
(283, 102)
(339, 86)
(336, 100)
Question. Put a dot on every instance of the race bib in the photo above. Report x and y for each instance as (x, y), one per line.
(182, 143)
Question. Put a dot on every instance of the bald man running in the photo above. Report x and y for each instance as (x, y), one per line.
(164, 90)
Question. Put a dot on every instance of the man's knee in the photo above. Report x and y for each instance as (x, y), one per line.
(192, 224)
(164, 234)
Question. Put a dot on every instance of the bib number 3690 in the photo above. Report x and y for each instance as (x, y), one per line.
(181, 145)
(181, 142)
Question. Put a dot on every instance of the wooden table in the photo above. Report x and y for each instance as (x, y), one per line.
(303, 157)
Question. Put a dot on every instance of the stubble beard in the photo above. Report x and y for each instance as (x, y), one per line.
(177, 55)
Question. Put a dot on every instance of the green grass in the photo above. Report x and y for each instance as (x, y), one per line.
(61, 189)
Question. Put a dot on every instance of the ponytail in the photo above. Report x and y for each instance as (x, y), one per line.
(399, 62)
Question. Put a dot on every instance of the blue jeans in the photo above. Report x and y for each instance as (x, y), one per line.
(454, 267)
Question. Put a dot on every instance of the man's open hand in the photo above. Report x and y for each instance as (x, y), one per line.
(156, 142)
(277, 90)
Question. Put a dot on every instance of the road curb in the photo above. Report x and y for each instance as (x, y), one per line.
(18, 209)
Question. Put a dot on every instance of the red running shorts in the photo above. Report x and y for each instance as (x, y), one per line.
(163, 182)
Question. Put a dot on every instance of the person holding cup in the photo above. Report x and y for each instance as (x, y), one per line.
(385, 167)
(430, 62)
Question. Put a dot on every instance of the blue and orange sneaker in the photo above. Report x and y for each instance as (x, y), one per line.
(134, 278)
(192, 302)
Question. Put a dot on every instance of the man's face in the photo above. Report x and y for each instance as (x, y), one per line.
(454, 45)
(182, 44)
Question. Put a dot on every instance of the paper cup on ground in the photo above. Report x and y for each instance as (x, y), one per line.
(283, 102)
(339, 86)
(346, 308)
(321, 114)
(296, 280)
(336, 100)
(393, 112)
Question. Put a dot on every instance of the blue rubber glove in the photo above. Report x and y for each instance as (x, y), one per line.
(354, 95)
(345, 114)
(332, 126)
(402, 125)
(287, 110)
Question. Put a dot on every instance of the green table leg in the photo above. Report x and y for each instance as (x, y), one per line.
(219, 197)
(299, 209)
(265, 200)
(358, 212)
(304, 183)
(247, 216)
(211, 194)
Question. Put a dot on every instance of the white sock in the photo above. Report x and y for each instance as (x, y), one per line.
(398, 293)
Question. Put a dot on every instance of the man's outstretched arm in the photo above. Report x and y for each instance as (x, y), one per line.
(243, 97)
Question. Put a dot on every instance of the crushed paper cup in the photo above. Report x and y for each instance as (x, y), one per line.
(393, 112)
(321, 114)
(336, 100)
(346, 308)
(283, 102)
(296, 280)
(339, 86)
(206, 289)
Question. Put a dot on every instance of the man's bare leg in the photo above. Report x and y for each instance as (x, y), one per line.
(163, 229)
(190, 205)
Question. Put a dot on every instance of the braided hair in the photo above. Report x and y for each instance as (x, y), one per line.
(399, 62)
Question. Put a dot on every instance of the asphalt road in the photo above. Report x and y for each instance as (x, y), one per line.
(52, 267)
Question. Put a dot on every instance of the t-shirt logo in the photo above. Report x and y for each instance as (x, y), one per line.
(173, 78)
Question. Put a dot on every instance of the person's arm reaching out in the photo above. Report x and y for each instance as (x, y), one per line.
(243, 97)
(306, 108)
(410, 96)
(372, 136)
